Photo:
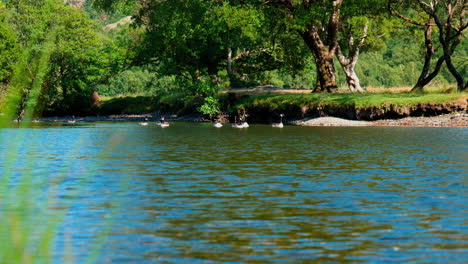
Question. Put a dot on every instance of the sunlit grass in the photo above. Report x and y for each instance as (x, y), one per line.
(348, 99)
(283, 99)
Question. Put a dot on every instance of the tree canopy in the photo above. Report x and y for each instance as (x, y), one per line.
(198, 47)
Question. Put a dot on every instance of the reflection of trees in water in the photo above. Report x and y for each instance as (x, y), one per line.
(243, 228)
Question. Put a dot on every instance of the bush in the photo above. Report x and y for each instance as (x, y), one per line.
(211, 107)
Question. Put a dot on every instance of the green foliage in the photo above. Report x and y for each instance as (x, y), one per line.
(79, 56)
(132, 81)
(280, 102)
(211, 107)
(178, 50)
(77, 62)
(9, 48)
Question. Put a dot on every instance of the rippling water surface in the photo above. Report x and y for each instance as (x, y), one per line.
(192, 193)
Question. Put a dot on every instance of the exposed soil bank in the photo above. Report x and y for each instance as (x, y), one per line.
(262, 114)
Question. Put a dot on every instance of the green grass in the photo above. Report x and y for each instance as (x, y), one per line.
(183, 104)
(279, 102)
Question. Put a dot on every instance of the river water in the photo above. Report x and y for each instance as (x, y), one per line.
(192, 193)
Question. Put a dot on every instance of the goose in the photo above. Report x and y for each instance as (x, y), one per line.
(245, 124)
(280, 124)
(144, 123)
(18, 119)
(163, 123)
(237, 125)
(241, 124)
(218, 124)
(72, 121)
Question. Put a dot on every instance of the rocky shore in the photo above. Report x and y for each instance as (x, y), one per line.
(449, 120)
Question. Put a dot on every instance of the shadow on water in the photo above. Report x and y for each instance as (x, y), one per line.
(191, 193)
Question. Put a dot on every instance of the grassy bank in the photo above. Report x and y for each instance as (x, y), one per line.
(368, 106)
(282, 102)
(263, 107)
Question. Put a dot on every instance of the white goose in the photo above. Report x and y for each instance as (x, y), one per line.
(72, 121)
(242, 124)
(280, 124)
(245, 124)
(236, 125)
(163, 123)
(218, 124)
(144, 123)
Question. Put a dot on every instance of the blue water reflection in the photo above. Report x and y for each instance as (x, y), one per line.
(194, 194)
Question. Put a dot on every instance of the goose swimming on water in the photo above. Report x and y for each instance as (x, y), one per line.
(218, 124)
(72, 121)
(280, 124)
(245, 124)
(163, 122)
(144, 123)
(241, 124)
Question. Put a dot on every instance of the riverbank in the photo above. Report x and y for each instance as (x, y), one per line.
(299, 108)
(362, 107)
(457, 119)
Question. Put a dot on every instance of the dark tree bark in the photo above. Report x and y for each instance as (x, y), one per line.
(326, 74)
(450, 35)
(425, 78)
(324, 49)
(321, 40)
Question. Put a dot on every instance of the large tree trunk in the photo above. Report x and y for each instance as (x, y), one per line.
(321, 39)
(349, 64)
(425, 78)
(229, 61)
(326, 74)
(445, 38)
(352, 79)
(324, 49)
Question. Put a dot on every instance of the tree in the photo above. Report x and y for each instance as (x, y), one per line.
(321, 24)
(362, 26)
(9, 48)
(317, 24)
(77, 62)
(449, 18)
(61, 58)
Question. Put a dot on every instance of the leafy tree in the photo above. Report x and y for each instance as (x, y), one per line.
(9, 48)
(211, 107)
(77, 62)
(321, 24)
(317, 24)
(449, 18)
(362, 26)
(62, 45)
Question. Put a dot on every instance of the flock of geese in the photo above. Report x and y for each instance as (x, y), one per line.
(162, 122)
(242, 123)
